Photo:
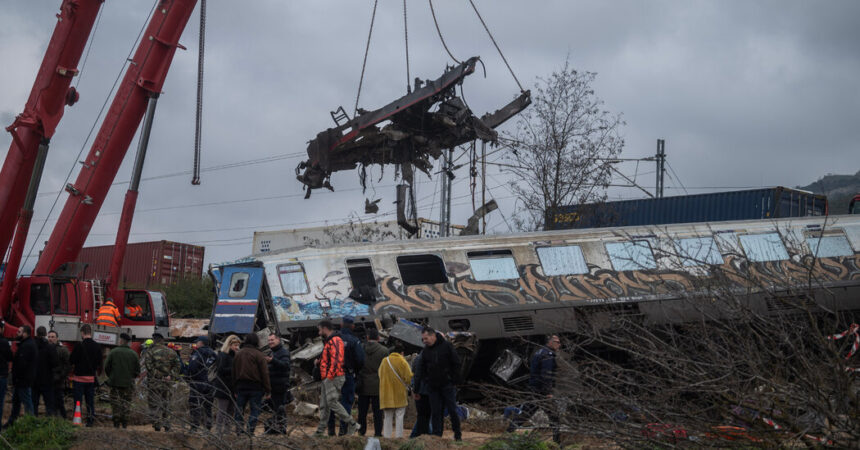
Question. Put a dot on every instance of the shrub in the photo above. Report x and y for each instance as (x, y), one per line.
(30, 432)
(519, 441)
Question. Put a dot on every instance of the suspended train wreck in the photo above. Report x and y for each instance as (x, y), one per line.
(527, 285)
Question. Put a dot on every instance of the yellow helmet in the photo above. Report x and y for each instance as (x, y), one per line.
(147, 342)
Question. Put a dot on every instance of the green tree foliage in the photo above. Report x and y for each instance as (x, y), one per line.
(189, 297)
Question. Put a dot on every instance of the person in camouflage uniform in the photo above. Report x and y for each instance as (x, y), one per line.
(162, 368)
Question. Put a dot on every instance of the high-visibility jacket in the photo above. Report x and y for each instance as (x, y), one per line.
(108, 315)
(331, 361)
(134, 311)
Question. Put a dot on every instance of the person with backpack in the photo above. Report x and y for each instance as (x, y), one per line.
(394, 378)
(201, 393)
(225, 398)
(279, 377)
(353, 362)
(121, 367)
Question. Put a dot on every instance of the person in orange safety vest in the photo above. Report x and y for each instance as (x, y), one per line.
(132, 310)
(108, 314)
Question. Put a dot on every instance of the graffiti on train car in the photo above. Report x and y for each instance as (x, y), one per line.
(600, 285)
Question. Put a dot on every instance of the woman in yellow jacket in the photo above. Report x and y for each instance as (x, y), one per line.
(394, 378)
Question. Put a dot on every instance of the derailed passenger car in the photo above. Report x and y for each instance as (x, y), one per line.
(538, 283)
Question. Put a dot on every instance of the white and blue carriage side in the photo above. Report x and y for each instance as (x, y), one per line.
(536, 283)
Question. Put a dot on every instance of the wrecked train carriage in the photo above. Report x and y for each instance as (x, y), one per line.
(530, 284)
(410, 131)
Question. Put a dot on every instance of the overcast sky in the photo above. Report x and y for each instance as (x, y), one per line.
(746, 94)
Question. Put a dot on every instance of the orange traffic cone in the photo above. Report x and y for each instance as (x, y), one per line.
(77, 418)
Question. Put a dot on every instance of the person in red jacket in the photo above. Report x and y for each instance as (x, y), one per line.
(332, 375)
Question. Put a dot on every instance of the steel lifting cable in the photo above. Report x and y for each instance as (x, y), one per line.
(439, 31)
(495, 44)
(364, 63)
(406, 40)
(195, 177)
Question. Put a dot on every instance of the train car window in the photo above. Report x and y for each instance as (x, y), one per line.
(40, 298)
(362, 279)
(631, 255)
(563, 260)
(763, 247)
(238, 284)
(493, 265)
(829, 246)
(698, 251)
(293, 280)
(421, 269)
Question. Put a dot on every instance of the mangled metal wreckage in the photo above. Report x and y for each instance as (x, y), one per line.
(407, 131)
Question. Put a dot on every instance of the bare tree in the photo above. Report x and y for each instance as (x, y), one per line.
(561, 148)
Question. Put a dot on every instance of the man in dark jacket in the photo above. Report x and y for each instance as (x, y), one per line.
(422, 399)
(87, 361)
(542, 368)
(352, 363)
(46, 364)
(251, 381)
(122, 367)
(367, 385)
(441, 366)
(61, 373)
(279, 376)
(201, 393)
(23, 374)
(5, 358)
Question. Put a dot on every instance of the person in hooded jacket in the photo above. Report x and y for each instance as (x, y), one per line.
(23, 374)
(46, 365)
(367, 385)
(201, 393)
(225, 398)
(122, 366)
(251, 381)
(441, 366)
(279, 377)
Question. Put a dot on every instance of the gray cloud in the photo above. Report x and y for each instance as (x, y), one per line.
(745, 93)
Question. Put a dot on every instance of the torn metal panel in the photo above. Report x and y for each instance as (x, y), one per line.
(472, 225)
(506, 365)
(406, 131)
(408, 332)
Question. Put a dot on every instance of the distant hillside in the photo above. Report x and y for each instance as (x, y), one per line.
(839, 189)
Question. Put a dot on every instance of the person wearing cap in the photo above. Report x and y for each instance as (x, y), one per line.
(122, 367)
(353, 361)
(201, 393)
(162, 369)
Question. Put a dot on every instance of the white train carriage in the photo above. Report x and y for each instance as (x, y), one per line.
(536, 283)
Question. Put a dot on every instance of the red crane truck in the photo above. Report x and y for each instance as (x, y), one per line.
(57, 295)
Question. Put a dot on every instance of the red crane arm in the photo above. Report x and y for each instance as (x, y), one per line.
(145, 75)
(44, 108)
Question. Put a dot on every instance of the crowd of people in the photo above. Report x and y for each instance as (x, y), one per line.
(223, 384)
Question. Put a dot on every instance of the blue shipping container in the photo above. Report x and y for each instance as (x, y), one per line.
(768, 203)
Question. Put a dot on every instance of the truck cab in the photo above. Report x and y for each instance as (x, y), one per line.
(62, 302)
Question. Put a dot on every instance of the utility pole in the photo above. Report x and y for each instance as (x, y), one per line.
(660, 157)
(483, 184)
(443, 202)
(449, 172)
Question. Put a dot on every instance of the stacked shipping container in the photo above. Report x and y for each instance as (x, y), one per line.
(770, 203)
(146, 263)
